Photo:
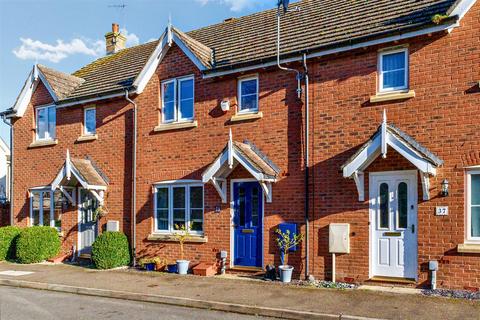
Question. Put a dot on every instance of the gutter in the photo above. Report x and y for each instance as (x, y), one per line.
(134, 180)
(4, 119)
(307, 167)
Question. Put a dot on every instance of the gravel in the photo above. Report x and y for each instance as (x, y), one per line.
(457, 294)
(326, 284)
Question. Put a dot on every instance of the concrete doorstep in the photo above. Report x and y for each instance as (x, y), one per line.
(180, 301)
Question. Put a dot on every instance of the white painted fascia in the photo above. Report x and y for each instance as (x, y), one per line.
(179, 181)
(157, 56)
(84, 101)
(462, 8)
(407, 35)
(26, 94)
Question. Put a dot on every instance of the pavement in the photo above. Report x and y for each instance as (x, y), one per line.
(20, 303)
(252, 297)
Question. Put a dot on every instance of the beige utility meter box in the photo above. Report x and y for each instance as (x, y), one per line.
(339, 238)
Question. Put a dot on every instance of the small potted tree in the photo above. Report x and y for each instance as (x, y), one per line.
(182, 235)
(285, 242)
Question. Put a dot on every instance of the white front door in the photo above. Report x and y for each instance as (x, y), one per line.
(87, 225)
(393, 224)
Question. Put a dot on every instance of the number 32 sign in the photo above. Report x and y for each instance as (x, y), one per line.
(441, 211)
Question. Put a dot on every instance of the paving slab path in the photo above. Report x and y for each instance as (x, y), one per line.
(213, 291)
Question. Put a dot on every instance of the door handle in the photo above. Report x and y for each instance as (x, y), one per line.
(413, 228)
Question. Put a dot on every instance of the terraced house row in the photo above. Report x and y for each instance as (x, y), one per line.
(378, 132)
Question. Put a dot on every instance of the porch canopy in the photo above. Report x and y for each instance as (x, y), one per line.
(244, 154)
(389, 135)
(80, 172)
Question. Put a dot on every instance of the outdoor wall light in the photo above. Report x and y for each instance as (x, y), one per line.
(444, 192)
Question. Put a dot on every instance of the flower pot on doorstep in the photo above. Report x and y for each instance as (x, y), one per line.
(149, 266)
(286, 273)
(172, 268)
(182, 266)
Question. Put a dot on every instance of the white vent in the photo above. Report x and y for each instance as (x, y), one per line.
(113, 225)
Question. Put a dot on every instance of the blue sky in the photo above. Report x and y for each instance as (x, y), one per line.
(67, 34)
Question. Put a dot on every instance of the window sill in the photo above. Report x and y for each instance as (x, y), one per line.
(171, 238)
(246, 116)
(43, 143)
(175, 126)
(382, 97)
(89, 137)
(468, 248)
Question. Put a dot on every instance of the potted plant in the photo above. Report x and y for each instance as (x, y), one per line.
(160, 263)
(182, 235)
(285, 242)
(147, 263)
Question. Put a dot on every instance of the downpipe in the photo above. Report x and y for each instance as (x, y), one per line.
(10, 192)
(134, 180)
(307, 167)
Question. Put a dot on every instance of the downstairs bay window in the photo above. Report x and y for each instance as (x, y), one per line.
(46, 207)
(178, 205)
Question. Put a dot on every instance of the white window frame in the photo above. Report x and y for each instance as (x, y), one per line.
(468, 216)
(41, 191)
(85, 132)
(171, 227)
(239, 94)
(176, 102)
(381, 54)
(47, 133)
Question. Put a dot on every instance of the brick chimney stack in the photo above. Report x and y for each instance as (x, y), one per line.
(114, 40)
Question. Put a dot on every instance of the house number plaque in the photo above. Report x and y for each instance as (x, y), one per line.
(441, 211)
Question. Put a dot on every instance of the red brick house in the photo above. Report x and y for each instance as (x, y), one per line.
(203, 129)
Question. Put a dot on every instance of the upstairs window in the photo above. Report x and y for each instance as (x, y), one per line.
(177, 100)
(393, 70)
(45, 123)
(248, 95)
(473, 206)
(178, 205)
(89, 121)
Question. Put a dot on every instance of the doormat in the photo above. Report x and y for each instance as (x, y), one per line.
(14, 273)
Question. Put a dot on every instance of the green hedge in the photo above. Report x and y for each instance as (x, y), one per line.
(111, 250)
(36, 244)
(8, 238)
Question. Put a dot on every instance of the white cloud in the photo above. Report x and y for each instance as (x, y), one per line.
(37, 50)
(235, 5)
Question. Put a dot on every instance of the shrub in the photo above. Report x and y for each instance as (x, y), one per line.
(111, 250)
(8, 238)
(37, 243)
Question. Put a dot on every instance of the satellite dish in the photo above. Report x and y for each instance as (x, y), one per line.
(284, 4)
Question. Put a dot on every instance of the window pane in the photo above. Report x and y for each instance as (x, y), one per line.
(475, 189)
(186, 89)
(402, 205)
(475, 216)
(394, 79)
(248, 87)
(249, 102)
(51, 122)
(162, 208)
(178, 197)
(162, 219)
(196, 197)
(162, 198)
(57, 208)
(169, 111)
(186, 109)
(35, 208)
(41, 123)
(196, 219)
(90, 121)
(241, 206)
(168, 101)
(393, 61)
(255, 203)
(46, 208)
(384, 203)
(178, 218)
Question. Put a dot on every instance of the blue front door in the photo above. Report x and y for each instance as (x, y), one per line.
(248, 232)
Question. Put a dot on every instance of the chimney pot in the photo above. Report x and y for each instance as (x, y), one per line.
(115, 27)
